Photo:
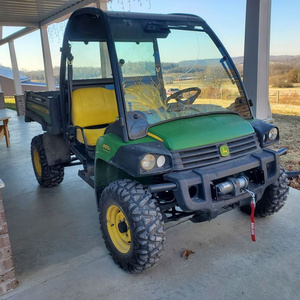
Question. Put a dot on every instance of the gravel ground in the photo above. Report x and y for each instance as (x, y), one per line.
(289, 130)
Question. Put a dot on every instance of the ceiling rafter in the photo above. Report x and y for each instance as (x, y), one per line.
(33, 14)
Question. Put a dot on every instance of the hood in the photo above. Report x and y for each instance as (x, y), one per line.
(200, 131)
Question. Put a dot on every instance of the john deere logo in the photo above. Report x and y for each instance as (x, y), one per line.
(106, 148)
(224, 150)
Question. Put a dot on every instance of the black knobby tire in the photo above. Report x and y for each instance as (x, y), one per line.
(273, 198)
(144, 222)
(47, 176)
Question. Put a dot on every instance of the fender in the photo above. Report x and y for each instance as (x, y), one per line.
(56, 149)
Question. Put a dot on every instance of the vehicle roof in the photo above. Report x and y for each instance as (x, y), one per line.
(84, 24)
(145, 16)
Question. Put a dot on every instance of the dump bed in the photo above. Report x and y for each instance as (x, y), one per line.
(44, 108)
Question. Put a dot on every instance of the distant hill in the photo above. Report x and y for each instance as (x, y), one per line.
(200, 62)
(239, 60)
(287, 62)
(285, 58)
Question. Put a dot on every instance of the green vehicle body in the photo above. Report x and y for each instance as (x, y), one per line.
(174, 134)
(195, 151)
(201, 131)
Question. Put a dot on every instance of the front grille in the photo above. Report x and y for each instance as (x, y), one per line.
(206, 155)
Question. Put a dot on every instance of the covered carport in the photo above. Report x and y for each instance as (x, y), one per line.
(57, 247)
(59, 253)
(38, 15)
(35, 15)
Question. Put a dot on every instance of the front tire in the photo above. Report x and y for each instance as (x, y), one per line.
(273, 199)
(47, 176)
(131, 225)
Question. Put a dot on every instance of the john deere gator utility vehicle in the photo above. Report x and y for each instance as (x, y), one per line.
(153, 158)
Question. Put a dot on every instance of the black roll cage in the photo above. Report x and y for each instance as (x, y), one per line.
(82, 27)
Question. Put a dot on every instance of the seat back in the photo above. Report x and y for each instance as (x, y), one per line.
(93, 106)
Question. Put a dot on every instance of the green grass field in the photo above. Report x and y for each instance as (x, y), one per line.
(289, 103)
(10, 103)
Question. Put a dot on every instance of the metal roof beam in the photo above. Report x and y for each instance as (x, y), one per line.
(19, 24)
(17, 34)
(64, 12)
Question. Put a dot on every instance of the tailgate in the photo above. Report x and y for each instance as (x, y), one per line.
(43, 107)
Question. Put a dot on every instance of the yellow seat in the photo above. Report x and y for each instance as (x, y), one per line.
(91, 135)
(93, 107)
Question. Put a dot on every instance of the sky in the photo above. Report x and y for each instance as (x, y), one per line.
(226, 17)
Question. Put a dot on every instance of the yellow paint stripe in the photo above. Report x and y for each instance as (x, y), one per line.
(155, 136)
(42, 109)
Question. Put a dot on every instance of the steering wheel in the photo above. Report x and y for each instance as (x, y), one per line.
(178, 96)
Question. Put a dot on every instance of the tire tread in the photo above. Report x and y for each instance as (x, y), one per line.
(51, 175)
(148, 235)
(274, 197)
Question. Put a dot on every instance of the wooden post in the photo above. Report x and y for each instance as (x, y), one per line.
(277, 98)
(4, 130)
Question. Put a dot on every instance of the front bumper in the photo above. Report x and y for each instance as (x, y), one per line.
(193, 189)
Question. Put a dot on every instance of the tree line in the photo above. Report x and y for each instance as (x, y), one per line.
(284, 75)
(284, 72)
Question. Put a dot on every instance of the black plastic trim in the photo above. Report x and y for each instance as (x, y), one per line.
(128, 158)
(264, 160)
(209, 154)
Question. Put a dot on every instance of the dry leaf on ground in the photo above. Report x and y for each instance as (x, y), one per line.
(295, 183)
(187, 253)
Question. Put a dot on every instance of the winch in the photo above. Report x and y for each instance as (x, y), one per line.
(232, 185)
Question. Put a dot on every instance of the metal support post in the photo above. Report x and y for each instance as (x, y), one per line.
(15, 69)
(257, 56)
(102, 4)
(19, 96)
(47, 59)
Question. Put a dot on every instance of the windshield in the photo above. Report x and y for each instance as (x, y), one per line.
(179, 74)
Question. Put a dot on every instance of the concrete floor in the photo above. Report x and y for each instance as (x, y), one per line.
(59, 252)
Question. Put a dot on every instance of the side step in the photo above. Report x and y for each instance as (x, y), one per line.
(88, 179)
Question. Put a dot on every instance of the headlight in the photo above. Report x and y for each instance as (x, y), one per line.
(148, 162)
(273, 133)
(161, 160)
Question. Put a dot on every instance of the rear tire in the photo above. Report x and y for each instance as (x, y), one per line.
(47, 176)
(131, 225)
(273, 198)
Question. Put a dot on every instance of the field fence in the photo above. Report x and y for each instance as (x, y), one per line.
(285, 96)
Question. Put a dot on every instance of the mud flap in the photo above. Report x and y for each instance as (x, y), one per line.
(56, 149)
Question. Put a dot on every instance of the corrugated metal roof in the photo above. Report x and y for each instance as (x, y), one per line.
(7, 72)
(35, 12)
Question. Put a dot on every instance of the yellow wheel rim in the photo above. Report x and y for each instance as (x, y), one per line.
(37, 162)
(118, 228)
